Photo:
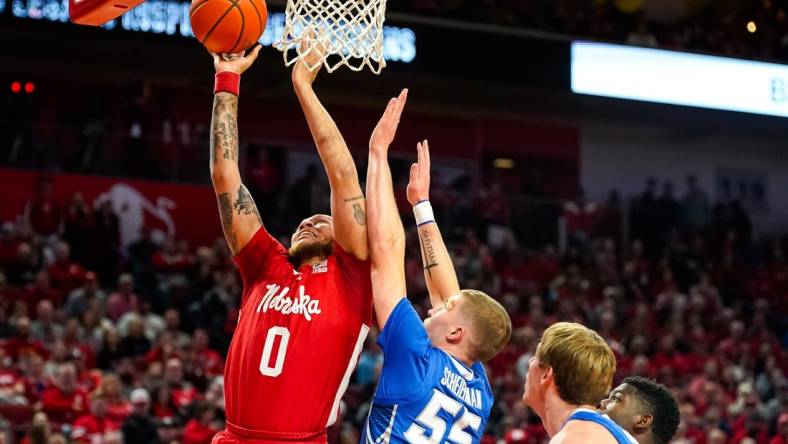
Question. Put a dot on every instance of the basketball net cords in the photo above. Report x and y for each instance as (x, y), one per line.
(356, 38)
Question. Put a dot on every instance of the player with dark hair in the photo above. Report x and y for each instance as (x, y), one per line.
(645, 409)
(433, 387)
(305, 312)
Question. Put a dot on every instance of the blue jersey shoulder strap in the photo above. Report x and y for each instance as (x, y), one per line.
(621, 436)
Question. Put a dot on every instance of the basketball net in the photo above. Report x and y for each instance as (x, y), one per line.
(344, 32)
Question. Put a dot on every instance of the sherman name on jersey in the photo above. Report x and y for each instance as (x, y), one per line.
(424, 395)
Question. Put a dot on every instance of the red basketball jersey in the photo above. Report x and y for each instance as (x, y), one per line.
(298, 338)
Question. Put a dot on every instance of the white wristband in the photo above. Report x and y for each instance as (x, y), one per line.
(423, 213)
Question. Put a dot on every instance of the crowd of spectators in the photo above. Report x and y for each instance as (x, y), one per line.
(715, 26)
(101, 343)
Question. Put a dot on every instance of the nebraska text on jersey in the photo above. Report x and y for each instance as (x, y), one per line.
(277, 300)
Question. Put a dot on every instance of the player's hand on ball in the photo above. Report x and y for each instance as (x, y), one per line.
(313, 54)
(237, 63)
(386, 128)
(419, 184)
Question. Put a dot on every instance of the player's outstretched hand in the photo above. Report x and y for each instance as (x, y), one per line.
(313, 53)
(386, 128)
(419, 184)
(237, 63)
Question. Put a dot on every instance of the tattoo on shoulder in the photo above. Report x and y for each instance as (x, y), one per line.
(359, 215)
(226, 215)
(430, 259)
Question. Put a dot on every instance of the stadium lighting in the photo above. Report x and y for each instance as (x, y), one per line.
(752, 27)
(504, 164)
(16, 87)
(679, 78)
(171, 17)
(30, 87)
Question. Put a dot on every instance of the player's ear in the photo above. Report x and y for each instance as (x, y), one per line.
(547, 375)
(455, 335)
(643, 422)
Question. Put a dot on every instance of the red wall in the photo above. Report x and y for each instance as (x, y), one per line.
(186, 211)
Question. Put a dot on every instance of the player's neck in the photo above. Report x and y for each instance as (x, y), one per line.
(644, 438)
(556, 412)
(457, 353)
(311, 261)
(463, 358)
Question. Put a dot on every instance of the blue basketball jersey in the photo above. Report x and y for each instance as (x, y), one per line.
(424, 394)
(621, 435)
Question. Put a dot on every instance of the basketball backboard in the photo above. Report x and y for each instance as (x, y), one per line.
(98, 12)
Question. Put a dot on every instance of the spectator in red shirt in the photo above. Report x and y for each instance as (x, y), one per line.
(202, 427)
(183, 392)
(118, 407)
(22, 345)
(732, 347)
(123, 300)
(34, 378)
(782, 430)
(164, 406)
(208, 362)
(76, 349)
(165, 349)
(65, 274)
(90, 428)
(170, 259)
(41, 289)
(42, 212)
(63, 401)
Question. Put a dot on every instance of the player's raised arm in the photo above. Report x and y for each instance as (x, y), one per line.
(239, 215)
(348, 208)
(386, 235)
(438, 267)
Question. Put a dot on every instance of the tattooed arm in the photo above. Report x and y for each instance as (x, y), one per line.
(239, 215)
(348, 206)
(438, 267)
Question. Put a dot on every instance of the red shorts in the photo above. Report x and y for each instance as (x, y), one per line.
(234, 434)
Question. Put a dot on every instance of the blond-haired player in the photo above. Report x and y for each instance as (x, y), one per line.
(433, 387)
(571, 371)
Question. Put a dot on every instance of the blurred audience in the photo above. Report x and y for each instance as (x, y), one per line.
(715, 26)
(692, 297)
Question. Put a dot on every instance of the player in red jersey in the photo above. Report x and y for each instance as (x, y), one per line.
(305, 312)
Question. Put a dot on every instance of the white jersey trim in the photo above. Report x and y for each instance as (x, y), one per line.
(362, 336)
(464, 371)
(627, 434)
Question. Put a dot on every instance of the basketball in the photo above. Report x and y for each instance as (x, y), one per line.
(228, 26)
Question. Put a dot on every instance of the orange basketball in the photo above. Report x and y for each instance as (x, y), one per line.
(228, 26)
